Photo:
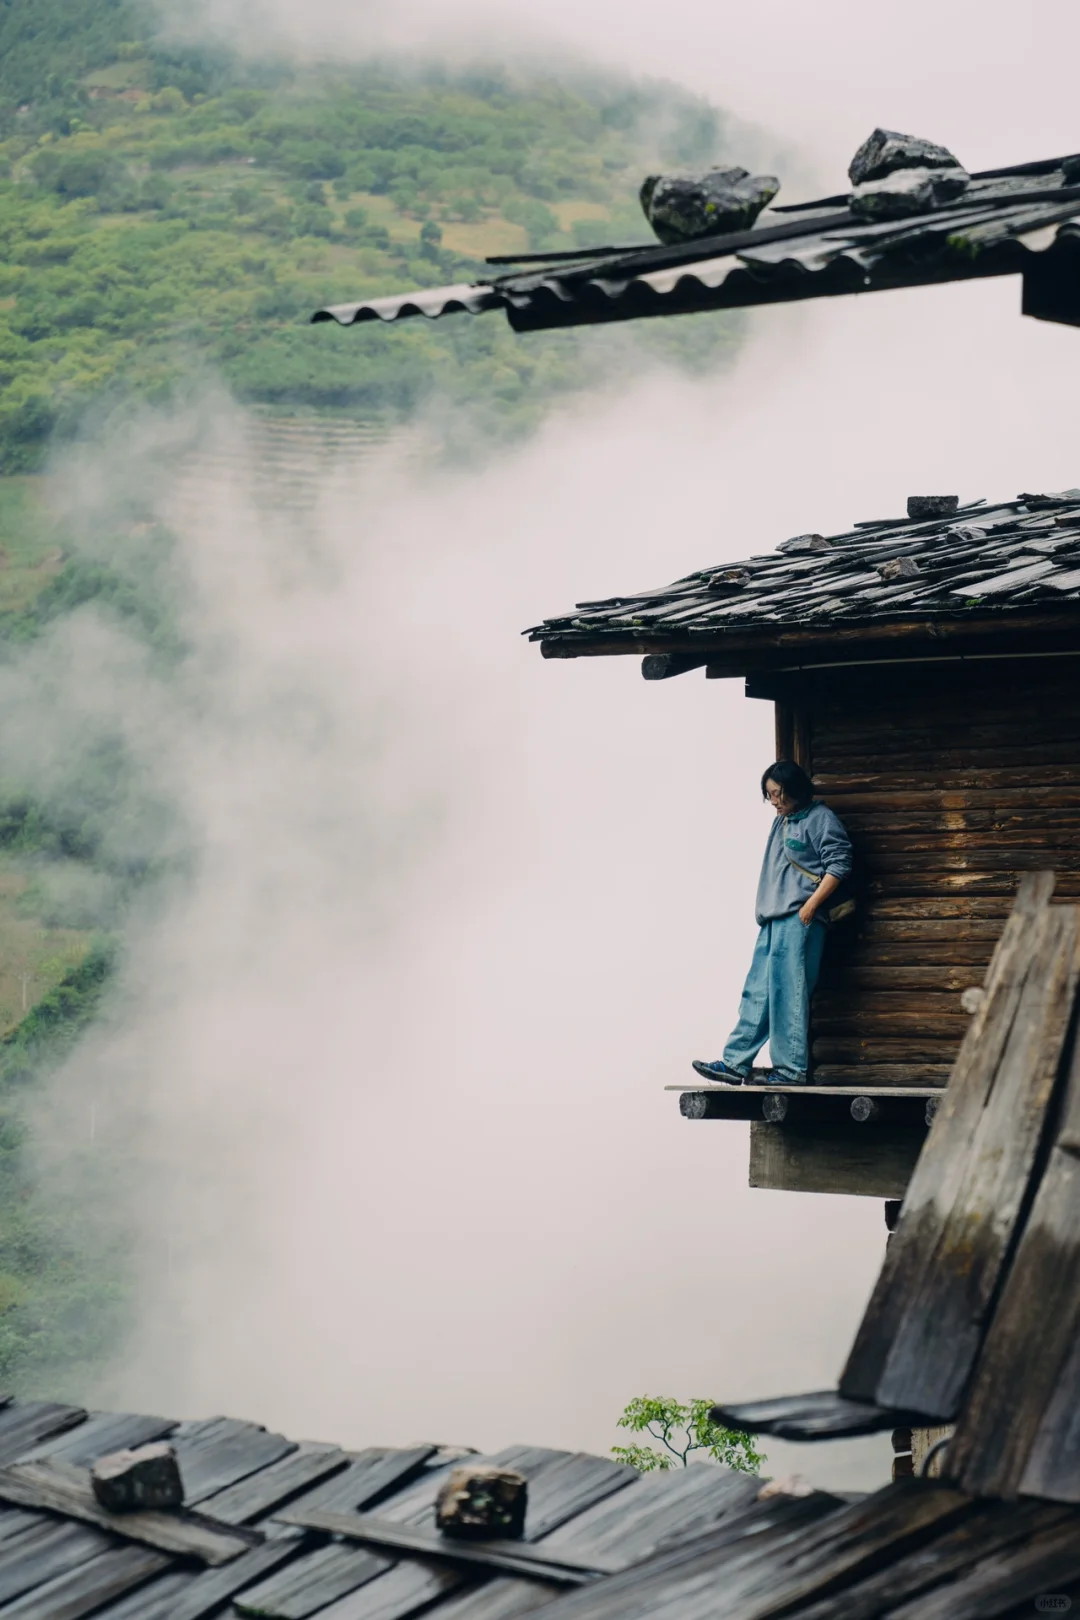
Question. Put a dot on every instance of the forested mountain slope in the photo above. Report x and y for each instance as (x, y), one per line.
(165, 207)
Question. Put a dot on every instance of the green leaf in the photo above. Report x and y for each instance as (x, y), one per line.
(683, 1430)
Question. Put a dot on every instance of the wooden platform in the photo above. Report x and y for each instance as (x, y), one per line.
(786, 1104)
(860, 1141)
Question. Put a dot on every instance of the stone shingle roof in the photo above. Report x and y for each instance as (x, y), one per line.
(976, 560)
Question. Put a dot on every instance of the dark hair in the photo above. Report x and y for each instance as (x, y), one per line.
(791, 778)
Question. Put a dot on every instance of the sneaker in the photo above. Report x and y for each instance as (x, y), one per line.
(718, 1072)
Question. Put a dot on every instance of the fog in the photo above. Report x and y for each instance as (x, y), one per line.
(386, 1067)
(993, 81)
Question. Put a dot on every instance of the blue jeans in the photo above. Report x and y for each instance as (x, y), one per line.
(775, 1004)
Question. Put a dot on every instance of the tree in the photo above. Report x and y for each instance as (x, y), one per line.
(682, 1430)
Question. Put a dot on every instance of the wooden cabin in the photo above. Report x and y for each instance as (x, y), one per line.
(926, 671)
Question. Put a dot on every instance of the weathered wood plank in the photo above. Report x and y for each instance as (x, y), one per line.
(155, 1601)
(405, 1590)
(974, 857)
(861, 1161)
(936, 977)
(867, 827)
(15, 1522)
(1021, 795)
(58, 1488)
(44, 1553)
(923, 1326)
(1051, 737)
(855, 726)
(371, 1475)
(24, 1424)
(311, 1582)
(918, 883)
(258, 1494)
(643, 1591)
(854, 1049)
(821, 1415)
(187, 1594)
(763, 1574)
(83, 1590)
(876, 847)
(658, 1508)
(392, 1536)
(101, 1434)
(993, 758)
(938, 778)
(869, 1020)
(1000, 1583)
(564, 1487)
(1031, 1348)
(501, 1599)
(217, 1452)
(991, 1529)
(943, 908)
(892, 1075)
(876, 949)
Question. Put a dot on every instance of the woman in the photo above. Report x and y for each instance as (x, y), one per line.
(807, 857)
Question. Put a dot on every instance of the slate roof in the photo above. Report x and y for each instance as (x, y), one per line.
(982, 561)
(1019, 220)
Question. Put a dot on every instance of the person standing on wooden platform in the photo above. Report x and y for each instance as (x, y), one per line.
(801, 891)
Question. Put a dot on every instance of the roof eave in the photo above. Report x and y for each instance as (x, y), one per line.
(750, 649)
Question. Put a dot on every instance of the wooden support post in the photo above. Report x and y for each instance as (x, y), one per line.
(785, 730)
(903, 1464)
(923, 1443)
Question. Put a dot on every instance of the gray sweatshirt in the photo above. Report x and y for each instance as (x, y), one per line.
(818, 840)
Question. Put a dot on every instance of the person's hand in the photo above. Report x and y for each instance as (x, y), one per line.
(806, 913)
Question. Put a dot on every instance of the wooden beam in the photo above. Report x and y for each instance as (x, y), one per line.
(59, 1488)
(862, 1161)
(822, 1415)
(372, 1531)
(662, 666)
(813, 1109)
(1003, 638)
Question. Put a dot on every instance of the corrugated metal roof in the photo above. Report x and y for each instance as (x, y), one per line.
(1019, 221)
(1018, 554)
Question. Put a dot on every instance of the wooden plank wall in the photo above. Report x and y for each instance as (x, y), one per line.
(953, 780)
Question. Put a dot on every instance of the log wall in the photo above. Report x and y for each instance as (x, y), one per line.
(953, 780)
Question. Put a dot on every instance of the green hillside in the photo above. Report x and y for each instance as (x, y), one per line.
(168, 215)
(164, 209)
